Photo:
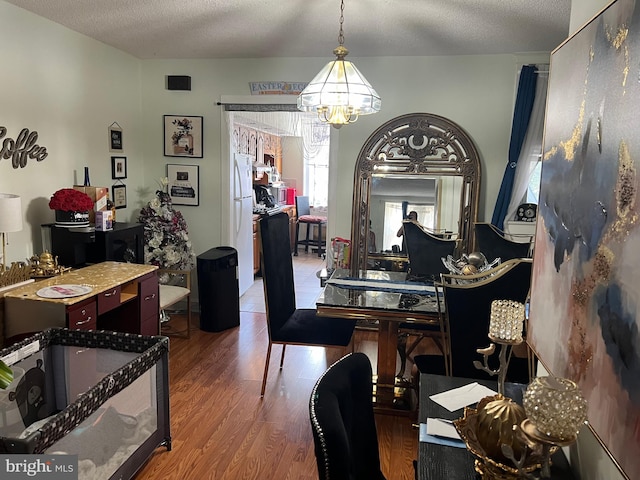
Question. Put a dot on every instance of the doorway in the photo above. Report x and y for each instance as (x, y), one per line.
(299, 161)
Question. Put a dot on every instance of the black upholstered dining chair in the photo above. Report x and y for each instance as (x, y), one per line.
(304, 217)
(425, 251)
(494, 243)
(286, 324)
(343, 423)
(467, 311)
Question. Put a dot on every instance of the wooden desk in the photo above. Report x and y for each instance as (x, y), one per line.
(381, 297)
(124, 298)
(436, 462)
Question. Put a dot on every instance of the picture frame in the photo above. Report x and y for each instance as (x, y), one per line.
(115, 138)
(119, 196)
(118, 167)
(184, 184)
(182, 136)
(584, 309)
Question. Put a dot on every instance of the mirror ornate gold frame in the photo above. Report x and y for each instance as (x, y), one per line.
(413, 147)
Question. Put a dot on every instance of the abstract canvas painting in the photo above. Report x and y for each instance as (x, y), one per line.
(585, 296)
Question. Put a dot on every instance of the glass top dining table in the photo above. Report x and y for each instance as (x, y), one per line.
(389, 299)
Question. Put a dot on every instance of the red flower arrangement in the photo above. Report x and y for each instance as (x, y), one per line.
(70, 200)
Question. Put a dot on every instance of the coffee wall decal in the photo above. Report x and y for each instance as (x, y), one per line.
(22, 148)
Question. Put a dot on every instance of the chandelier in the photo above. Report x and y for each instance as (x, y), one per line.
(339, 94)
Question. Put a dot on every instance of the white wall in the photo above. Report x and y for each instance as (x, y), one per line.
(69, 89)
(475, 91)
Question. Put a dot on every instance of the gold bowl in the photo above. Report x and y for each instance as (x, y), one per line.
(486, 446)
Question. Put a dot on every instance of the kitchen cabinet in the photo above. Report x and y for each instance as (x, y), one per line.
(258, 145)
(291, 211)
(256, 245)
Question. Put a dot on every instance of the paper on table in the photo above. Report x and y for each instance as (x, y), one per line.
(460, 397)
(426, 438)
(441, 428)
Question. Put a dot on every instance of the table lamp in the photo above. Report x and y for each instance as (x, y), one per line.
(10, 219)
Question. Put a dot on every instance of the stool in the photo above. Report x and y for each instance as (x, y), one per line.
(303, 213)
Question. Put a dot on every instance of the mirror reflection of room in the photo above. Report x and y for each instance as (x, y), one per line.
(435, 201)
(415, 162)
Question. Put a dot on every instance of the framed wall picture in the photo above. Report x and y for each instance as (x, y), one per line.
(118, 167)
(119, 195)
(184, 184)
(115, 138)
(182, 136)
(585, 307)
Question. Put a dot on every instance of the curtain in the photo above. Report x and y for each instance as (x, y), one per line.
(531, 152)
(521, 116)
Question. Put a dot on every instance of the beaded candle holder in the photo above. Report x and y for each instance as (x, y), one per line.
(507, 319)
(556, 407)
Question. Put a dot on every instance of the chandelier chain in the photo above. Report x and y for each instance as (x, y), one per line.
(341, 34)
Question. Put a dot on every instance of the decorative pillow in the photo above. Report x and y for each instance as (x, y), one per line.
(312, 219)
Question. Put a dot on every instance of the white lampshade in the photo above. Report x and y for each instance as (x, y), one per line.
(339, 94)
(10, 213)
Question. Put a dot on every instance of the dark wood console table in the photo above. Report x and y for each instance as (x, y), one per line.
(78, 247)
(123, 298)
(437, 462)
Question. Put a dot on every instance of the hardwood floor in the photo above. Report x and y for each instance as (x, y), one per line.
(222, 429)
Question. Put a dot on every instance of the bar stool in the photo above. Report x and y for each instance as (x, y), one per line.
(303, 213)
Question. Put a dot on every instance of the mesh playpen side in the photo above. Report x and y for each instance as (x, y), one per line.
(103, 396)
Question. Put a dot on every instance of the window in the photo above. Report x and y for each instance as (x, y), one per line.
(316, 163)
(393, 221)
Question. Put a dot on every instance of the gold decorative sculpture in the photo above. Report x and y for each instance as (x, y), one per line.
(45, 265)
(491, 463)
(16, 273)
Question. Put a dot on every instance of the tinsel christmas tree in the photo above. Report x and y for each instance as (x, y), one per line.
(166, 238)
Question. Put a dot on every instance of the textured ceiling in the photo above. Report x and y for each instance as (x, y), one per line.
(170, 29)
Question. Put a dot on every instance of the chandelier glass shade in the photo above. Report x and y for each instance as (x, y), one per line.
(339, 94)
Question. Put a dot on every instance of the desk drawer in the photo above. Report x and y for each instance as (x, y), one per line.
(109, 300)
(149, 297)
(83, 317)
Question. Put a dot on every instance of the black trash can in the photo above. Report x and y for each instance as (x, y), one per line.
(218, 289)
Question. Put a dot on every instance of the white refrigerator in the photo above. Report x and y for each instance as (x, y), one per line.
(242, 207)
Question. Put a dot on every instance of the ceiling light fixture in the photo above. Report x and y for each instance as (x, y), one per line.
(339, 94)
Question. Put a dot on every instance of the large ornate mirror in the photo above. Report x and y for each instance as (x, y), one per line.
(416, 162)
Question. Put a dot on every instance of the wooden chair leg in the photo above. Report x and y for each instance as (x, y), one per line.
(266, 370)
(306, 242)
